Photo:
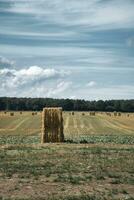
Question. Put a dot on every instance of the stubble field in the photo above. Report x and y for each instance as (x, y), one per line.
(95, 162)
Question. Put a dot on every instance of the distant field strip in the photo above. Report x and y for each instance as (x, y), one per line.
(21, 123)
(79, 124)
(24, 124)
(119, 124)
(66, 122)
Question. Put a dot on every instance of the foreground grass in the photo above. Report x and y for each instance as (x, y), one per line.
(91, 139)
(89, 171)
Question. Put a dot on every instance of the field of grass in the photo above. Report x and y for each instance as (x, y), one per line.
(96, 161)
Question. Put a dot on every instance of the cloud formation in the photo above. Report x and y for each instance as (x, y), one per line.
(95, 13)
(58, 89)
(33, 79)
(91, 84)
(5, 63)
(91, 38)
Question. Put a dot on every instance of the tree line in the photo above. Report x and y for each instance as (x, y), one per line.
(37, 104)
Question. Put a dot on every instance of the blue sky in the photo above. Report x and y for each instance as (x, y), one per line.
(67, 48)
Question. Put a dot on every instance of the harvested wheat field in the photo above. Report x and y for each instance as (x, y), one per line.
(95, 162)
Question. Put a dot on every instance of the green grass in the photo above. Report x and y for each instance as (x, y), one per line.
(80, 197)
(69, 165)
(102, 139)
(33, 139)
(115, 139)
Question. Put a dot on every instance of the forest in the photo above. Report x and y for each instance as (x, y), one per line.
(37, 104)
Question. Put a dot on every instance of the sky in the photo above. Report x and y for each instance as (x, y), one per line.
(78, 49)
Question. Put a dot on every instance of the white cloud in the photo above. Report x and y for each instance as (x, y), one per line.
(36, 71)
(56, 34)
(93, 14)
(33, 81)
(60, 87)
(5, 63)
(73, 97)
(34, 78)
(56, 90)
(91, 84)
(114, 14)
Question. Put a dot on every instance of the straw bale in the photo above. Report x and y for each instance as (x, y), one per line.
(52, 125)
